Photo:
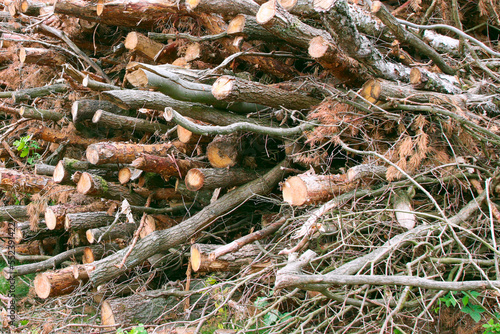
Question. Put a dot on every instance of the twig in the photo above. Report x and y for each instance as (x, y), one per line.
(172, 115)
(132, 245)
(163, 37)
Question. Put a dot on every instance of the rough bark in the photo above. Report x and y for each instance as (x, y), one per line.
(232, 89)
(143, 45)
(55, 215)
(55, 283)
(165, 166)
(234, 261)
(110, 152)
(211, 178)
(82, 110)
(87, 220)
(54, 136)
(114, 121)
(119, 231)
(93, 185)
(12, 212)
(41, 56)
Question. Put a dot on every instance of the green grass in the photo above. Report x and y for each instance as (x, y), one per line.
(22, 283)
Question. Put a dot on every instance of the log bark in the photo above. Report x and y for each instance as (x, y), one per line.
(309, 189)
(165, 166)
(54, 136)
(44, 169)
(40, 114)
(110, 152)
(223, 7)
(41, 56)
(94, 185)
(143, 45)
(97, 252)
(223, 151)
(171, 84)
(120, 231)
(153, 223)
(12, 212)
(247, 27)
(232, 89)
(163, 240)
(135, 99)
(23, 232)
(82, 110)
(87, 220)
(23, 182)
(114, 121)
(145, 14)
(234, 261)
(55, 283)
(55, 215)
(211, 178)
(32, 93)
(67, 167)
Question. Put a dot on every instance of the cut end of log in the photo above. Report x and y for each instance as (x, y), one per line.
(195, 258)
(222, 87)
(138, 78)
(236, 25)
(184, 135)
(294, 191)
(266, 12)
(317, 47)
(107, 314)
(88, 255)
(371, 90)
(97, 116)
(42, 285)
(131, 40)
(124, 175)
(287, 4)
(22, 55)
(50, 219)
(74, 111)
(416, 76)
(168, 114)
(194, 179)
(85, 184)
(90, 238)
(192, 4)
(193, 52)
(60, 172)
(149, 224)
(92, 155)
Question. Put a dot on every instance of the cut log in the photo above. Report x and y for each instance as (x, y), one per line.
(114, 121)
(165, 166)
(55, 136)
(35, 113)
(55, 283)
(109, 152)
(135, 99)
(309, 189)
(153, 223)
(93, 185)
(211, 178)
(82, 110)
(143, 45)
(44, 169)
(187, 137)
(23, 182)
(167, 194)
(155, 77)
(32, 8)
(247, 26)
(234, 261)
(55, 215)
(203, 197)
(127, 174)
(12, 212)
(366, 171)
(145, 14)
(223, 7)
(32, 93)
(223, 151)
(120, 231)
(87, 220)
(160, 241)
(23, 232)
(41, 56)
(232, 89)
(97, 252)
(67, 167)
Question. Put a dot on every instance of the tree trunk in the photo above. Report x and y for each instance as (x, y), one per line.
(41, 56)
(211, 178)
(82, 110)
(165, 166)
(200, 261)
(87, 220)
(307, 189)
(55, 283)
(93, 185)
(114, 121)
(55, 215)
(110, 152)
(143, 45)
(120, 231)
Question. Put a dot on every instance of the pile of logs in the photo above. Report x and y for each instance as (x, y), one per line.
(146, 143)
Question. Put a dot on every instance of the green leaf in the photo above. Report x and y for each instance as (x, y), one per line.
(474, 311)
(270, 318)
(474, 294)
(24, 153)
(465, 300)
(261, 302)
(24, 322)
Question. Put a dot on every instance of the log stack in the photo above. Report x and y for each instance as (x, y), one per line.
(177, 150)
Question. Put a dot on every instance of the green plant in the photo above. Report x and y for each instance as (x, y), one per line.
(139, 329)
(25, 145)
(492, 327)
(471, 309)
(273, 316)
